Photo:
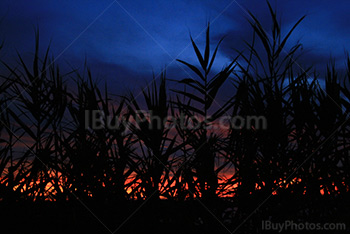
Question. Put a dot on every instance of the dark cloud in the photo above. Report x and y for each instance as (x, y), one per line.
(127, 43)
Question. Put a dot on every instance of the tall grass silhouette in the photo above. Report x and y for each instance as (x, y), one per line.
(50, 153)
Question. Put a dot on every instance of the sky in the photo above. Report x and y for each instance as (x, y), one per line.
(125, 42)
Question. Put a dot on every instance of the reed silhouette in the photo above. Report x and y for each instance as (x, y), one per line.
(52, 159)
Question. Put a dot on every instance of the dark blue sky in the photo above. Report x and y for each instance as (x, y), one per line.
(127, 40)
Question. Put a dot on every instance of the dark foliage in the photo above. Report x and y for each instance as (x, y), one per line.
(50, 152)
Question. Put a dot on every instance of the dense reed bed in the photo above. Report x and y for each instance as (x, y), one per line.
(50, 152)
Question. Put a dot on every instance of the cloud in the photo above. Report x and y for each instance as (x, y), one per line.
(152, 34)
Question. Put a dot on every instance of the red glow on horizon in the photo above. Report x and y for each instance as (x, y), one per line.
(133, 188)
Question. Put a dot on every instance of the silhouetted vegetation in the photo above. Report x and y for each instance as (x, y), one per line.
(49, 152)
